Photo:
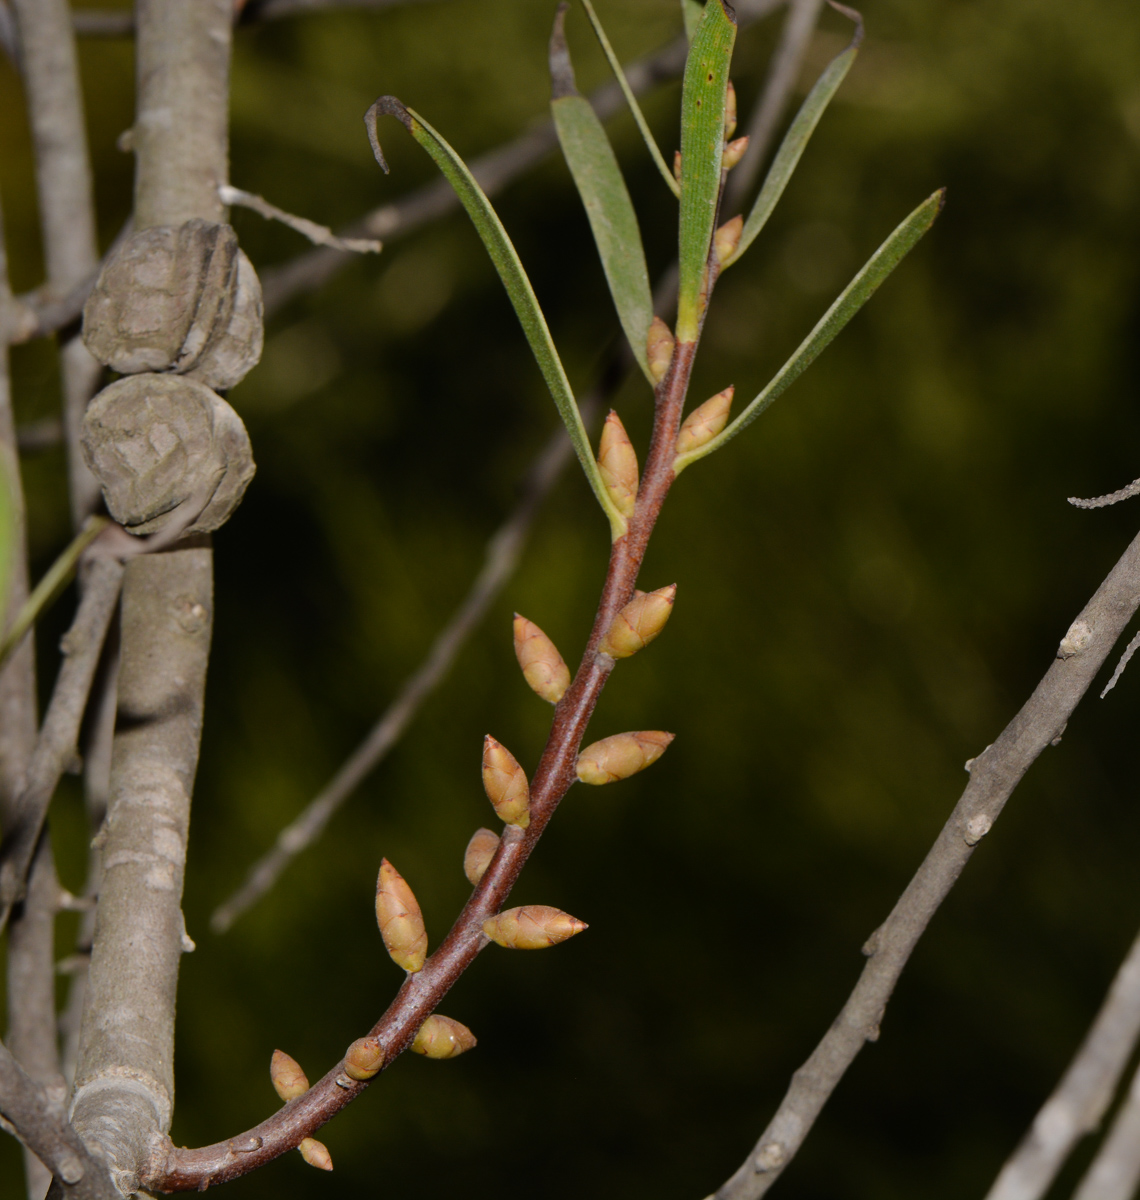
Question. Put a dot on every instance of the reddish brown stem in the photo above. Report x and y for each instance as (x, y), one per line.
(181, 1170)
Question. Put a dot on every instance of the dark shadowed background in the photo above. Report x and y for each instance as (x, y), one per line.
(871, 580)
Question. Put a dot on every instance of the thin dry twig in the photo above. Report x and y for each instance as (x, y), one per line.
(993, 776)
(1115, 1172)
(1081, 1099)
(1125, 493)
(319, 235)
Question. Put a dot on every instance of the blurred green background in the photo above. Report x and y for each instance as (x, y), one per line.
(870, 583)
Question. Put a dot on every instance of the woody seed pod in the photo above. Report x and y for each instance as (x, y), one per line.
(638, 623)
(621, 756)
(316, 1154)
(542, 666)
(617, 462)
(441, 1037)
(177, 298)
(363, 1058)
(505, 783)
(705, 422)
(400, 920)
(727, 238)
(730, 111)
(288, 1078)
(733, 153)
(532, 927)
(155, 442)
(659, 348)
(480, 850)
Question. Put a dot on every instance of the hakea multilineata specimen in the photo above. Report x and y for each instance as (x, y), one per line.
(705, 421)
(733, 153)
(617, 462)
(477, 857)
(505, 783)
(400, 920)
(543, 667)
(316, 1154)
(659, 344)
(363, 1059)
(289, 1081)
(441, 1037)
(727, 238)
(532, 927)
(639, 622)
(620, 756)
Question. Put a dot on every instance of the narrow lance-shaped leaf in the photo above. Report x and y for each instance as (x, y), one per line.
(796, 139)
(627, 92)
(857, 293)
(514, 277)
(600, 184)
(702, 145)
(691, 13)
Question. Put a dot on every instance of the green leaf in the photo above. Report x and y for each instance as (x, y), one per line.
(600, 184)
(506, 260)
(48, 590)
(702, 146)
(691, 13)
(857, 293)
(796, 139)
(630, 98)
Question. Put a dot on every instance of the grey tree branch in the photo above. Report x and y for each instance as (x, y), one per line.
(993, 776)
(799, 25)
(1080, 1100)
(67, 211)
(124, 1087)
(494, 170)
(1115, 1172)
(319, 235)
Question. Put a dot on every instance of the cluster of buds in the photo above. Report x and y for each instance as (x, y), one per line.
(705, 422)
(617, 463)
(505, 783)
(289, 1081)
(532, 927)
(638, 623)
(441, 1037)
(620, 756)
(543, 667)
(400, 920)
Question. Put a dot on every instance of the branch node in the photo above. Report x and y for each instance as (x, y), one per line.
(1078, 638)
(770, 1158)
(977, 827)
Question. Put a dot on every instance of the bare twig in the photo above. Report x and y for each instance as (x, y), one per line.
(799, 25)
(319, 235)
(1125, 493)
(1115, 1172)
(67, 211)
(494, 170)
(993, 776)
(1125, 658)
(38, 1120)
(502, 556)
(56, 745)
(1082, 1097)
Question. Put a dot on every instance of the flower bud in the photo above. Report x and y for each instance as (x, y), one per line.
(677, 165)
(532, 927)
(480, 850)
(316, 1154)
(542, 666)
(400, 920)
(639, 622)
(621, 756)
(727, 238)
(288, 1078)
(733, 153)
(441, 1037)
(505, 783)
(363, 1058)
(705, 422)
(617, 462)
(659, 348)
(730, 111)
